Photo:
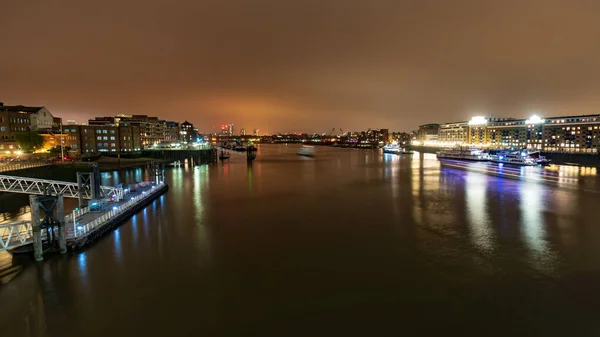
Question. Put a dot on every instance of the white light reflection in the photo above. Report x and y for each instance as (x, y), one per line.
(532, 201)
(117, 243)
(391, 172)
(82, 263)
(134, 230)
(477, 215)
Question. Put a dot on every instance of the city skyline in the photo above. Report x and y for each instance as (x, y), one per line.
(305, 66)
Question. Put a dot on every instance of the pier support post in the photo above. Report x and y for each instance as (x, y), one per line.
(62, 225)
(95, 178)
(84, 184)
(38, 249)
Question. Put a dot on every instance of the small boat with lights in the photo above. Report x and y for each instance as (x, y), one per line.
(463, 153)
(394, 148)
(305, 150)
(517, 158)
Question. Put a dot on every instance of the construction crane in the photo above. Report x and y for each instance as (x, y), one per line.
(332, 131)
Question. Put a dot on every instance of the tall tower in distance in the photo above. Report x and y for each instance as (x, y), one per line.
(255, 132)
(227, 129)
(242, 131)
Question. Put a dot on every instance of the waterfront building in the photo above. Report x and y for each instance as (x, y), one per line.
(187, 132)
(152, 130)
(401, 137)
(256, 132)
(12, 121)
(227, 130)
(375, 136)
(453, 133)
(38, 116)
(171, 131)
(242, 132)
(428, 133)
(553, 134)
(572, 134)
(106, 138)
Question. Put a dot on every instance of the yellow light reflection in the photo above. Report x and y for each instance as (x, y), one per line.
(533, 226)
(477, 216)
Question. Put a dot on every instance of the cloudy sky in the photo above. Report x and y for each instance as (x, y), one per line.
(308, 65)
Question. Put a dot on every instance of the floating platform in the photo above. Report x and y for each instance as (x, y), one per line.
(92, 225)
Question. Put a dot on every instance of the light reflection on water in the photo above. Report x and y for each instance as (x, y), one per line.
(532, 204)
(117, 243)
(82, 264)
(477, 216)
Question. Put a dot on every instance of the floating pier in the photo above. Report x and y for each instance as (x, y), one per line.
(85, 226)
(50, 229)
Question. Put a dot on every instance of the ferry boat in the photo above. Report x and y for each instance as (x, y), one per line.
(463, 153)
(305, 150)
(514, 158)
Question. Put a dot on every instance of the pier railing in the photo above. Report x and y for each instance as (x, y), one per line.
(83, 229)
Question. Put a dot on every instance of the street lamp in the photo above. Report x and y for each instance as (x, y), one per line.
(62, 147)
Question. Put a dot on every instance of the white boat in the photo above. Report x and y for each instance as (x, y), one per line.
(395, 149)
(463, 153)
(392, 148)
(308, 151)
(514, 158)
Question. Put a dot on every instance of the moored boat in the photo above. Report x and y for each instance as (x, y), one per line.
(392, 148)
(513, 158)
(463, 153)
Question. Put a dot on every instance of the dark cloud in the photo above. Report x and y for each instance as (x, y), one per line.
(302, 65)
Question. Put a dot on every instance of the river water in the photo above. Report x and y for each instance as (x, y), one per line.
(350, 242)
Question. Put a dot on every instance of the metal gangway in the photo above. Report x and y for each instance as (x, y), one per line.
(16, 234)
(36, 186)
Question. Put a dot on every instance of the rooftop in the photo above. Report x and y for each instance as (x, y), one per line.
(20, 108)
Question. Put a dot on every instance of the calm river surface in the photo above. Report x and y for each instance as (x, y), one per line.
(350, 242)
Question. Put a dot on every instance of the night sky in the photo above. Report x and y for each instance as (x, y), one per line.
(307, 65)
